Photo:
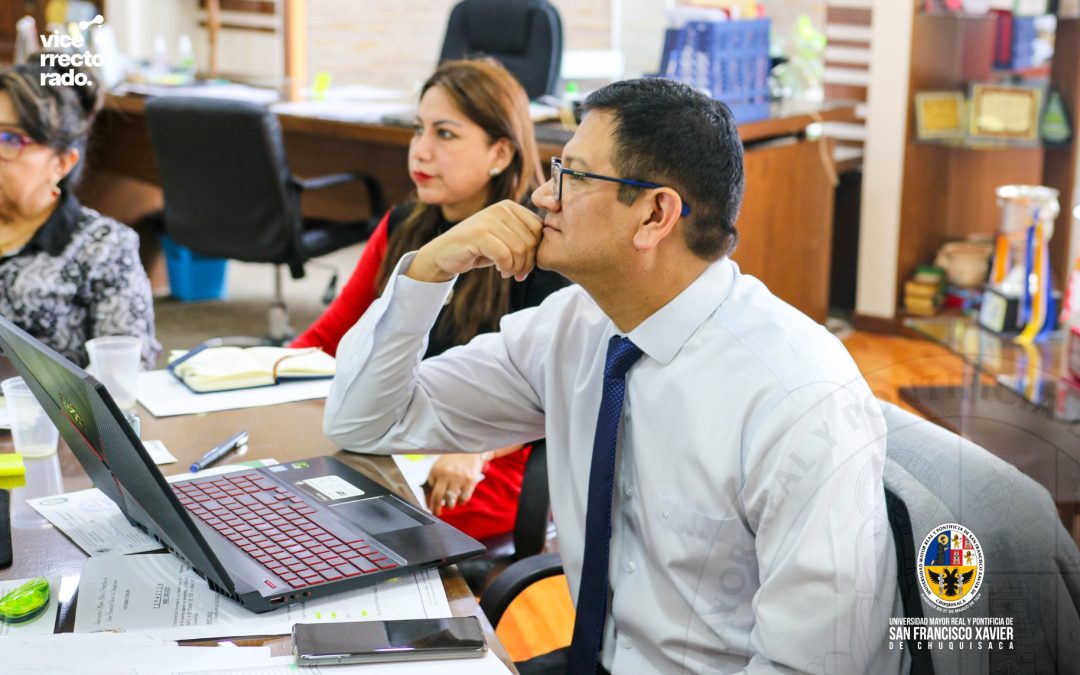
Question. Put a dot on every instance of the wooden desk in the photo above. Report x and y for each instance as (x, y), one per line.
(785, 227)
(283, 432)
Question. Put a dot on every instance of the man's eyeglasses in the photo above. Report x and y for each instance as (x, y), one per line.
(12, 144)
(558, 171)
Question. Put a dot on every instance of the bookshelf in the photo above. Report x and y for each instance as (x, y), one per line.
(948, 190)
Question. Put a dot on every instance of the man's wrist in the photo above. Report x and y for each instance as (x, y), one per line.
(424, 269)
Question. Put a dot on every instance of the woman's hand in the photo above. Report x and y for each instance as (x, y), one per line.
(453, 479)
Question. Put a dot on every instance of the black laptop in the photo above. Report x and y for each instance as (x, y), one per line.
(264, 537)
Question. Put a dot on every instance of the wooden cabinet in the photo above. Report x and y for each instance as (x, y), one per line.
(948, 192)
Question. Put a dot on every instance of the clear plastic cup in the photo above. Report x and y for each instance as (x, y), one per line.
(43, 479)
(114, 360)
(31, 429)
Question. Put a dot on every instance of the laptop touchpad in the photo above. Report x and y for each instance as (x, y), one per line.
(377, 515)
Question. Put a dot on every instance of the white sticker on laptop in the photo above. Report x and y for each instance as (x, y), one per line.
(333, 487)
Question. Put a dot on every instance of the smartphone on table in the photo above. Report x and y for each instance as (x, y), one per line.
(316, 644)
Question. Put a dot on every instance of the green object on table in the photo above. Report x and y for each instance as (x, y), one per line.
(26, 602)
(320, 86)
(12, 471)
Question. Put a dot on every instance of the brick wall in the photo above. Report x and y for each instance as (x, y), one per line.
(396, 44)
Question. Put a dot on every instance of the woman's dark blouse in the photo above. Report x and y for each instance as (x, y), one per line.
(79, 278)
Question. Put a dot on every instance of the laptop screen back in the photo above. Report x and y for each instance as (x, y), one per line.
(106, 446)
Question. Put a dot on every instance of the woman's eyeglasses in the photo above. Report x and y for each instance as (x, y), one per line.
(558, 171)
(12, 144)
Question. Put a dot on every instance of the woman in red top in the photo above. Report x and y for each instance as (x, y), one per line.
(473, 145)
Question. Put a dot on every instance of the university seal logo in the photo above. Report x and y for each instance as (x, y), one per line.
(950, 566)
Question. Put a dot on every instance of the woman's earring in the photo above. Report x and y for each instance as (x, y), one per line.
(495, 171)
(55, 191)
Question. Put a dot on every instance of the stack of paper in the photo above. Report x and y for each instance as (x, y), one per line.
(164, 396)
(105, 654)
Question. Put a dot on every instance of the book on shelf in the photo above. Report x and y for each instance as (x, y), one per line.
(922, 289)
(208, 369)
(923, 306)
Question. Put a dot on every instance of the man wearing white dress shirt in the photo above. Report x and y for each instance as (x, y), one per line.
(714, 456)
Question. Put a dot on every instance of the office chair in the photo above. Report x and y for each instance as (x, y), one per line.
(532, 527)
(229, 192)
(1032, 571)
(932, 476)
(523, 35)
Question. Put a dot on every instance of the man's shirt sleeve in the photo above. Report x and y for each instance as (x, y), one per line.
(470, 399)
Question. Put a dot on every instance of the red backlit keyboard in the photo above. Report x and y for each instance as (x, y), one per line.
(276, 528)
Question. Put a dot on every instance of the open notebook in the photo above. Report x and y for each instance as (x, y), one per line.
(205, 369)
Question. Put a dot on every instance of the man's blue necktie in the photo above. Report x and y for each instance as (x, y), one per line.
(593, 591)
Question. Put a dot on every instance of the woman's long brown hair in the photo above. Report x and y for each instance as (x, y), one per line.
(493, 100)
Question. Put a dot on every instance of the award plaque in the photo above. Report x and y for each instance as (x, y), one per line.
(939, 114)
(1007, 113)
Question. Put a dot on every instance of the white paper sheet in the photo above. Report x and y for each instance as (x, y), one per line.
(164, 396)
(286, 665)
(91, 640)
(94, 523)
(370, 112)
(415, 469)
(97, 525)
(105, 657)
(362, 92)
(228, 90)
(159, 453)
(161, 594)
(42, 625)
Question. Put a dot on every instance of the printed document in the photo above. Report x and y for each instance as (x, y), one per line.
(161, 594)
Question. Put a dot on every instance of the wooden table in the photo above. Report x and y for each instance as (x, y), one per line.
(283, 432)
(1012, 401)
(785, 226)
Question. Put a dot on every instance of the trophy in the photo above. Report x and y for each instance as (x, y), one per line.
(1018, 297)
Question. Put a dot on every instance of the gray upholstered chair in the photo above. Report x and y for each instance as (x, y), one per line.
(933, 476)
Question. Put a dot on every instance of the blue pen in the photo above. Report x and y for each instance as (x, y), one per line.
(220, 451)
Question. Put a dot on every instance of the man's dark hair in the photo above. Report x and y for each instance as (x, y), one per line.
(671, 134)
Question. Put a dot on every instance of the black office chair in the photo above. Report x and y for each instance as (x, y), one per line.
(532, 527)
(523, 35)
(229, 192)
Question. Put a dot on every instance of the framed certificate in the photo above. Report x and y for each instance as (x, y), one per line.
(1002, 112)
(939, 114)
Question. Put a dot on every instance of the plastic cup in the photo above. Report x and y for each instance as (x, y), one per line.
(43, 479)
(31, 429)
(115, 360)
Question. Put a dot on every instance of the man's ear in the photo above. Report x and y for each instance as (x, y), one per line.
(660, 211)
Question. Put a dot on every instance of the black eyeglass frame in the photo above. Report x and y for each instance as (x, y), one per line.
(558, 170)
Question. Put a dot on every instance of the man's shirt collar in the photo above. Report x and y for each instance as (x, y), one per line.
(663, 334)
